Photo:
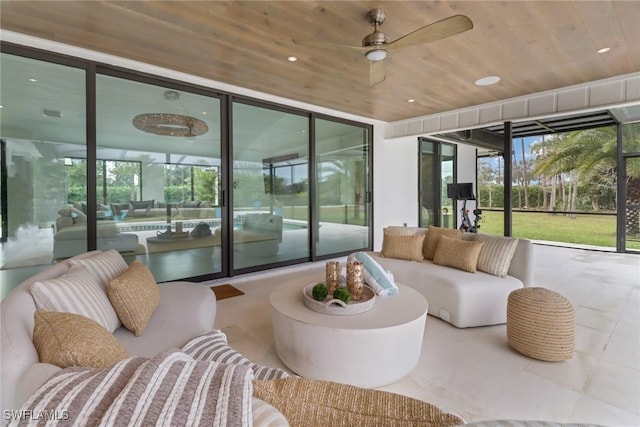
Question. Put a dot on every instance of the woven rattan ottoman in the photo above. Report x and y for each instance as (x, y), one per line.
(541, 324)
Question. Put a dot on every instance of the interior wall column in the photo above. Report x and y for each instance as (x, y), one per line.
(506, 155)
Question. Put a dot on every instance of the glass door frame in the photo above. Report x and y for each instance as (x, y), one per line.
(622, 202)
(436, 180)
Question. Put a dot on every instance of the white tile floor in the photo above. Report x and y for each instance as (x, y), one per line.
(474, 373)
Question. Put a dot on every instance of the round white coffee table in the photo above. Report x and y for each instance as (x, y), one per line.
(371, 349)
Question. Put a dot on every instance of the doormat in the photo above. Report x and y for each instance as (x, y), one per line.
(226, 291)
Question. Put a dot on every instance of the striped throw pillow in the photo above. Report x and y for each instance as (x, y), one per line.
(496, 254)
(213, 346)
(76, 292)
(105, 266)
(265, 415)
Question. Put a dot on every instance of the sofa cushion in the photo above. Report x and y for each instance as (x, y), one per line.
(104, 266)
(433, 237)
(457, 253)
(141, 207)
(135, 296)
(403, 247)
(399, 230)
(67, 339)
(496, 254)
(79, 292)
(77, 216)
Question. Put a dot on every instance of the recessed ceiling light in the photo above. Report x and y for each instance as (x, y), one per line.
(204, 113)
(33, 80)
(604, 50)
(411, 100)
(487, 81)
(292, 58)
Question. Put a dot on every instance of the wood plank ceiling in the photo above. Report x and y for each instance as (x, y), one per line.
(532, 45)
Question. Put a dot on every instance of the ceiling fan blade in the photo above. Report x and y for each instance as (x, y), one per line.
(332, 46)
(377, 73)
(438, 30)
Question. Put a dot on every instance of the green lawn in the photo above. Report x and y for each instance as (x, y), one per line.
(596, 230)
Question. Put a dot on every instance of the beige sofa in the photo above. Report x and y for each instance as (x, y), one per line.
(186, 310)
(459, 297)
(70, 236)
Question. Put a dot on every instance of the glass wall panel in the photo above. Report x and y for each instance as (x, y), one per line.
(43, 132)
(437, 169)
(158, 163)
(427, 190)
(447, 176)
(270, 186)
(342, 187)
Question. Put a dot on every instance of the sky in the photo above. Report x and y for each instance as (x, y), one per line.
(517, 146)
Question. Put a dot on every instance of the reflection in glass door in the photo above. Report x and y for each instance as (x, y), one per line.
(270, 186)
(158, 162)
(342, 187)
(437, 169)
(632, 204)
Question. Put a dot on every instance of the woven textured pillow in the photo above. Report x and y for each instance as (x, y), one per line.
(398, 230)
(433, 237)
(104, 266)
(67, 339)
(496, 254)
(135, 296)
(456, 253)
(314, 403)
(77, 292)
(402, 247)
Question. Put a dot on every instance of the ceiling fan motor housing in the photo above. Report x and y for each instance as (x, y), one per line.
(376, 17)
(376, 38)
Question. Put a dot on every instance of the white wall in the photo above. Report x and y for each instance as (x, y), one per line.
(395, 184)
(395, 181)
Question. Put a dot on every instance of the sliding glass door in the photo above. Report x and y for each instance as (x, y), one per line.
(43, 109)
(342, 187)
(270, 181)
(194, 183)
(158, 167)
(437, 169)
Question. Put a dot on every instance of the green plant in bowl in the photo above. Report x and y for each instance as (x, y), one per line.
(342, 294)
(319, 292)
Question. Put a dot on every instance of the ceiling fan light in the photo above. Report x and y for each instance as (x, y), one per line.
(376, 55)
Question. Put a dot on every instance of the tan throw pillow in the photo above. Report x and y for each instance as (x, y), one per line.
(135, 296)
(79, 292)
(67, 339)
(457, 253)
(433, 237)
(402, 247)
(399, 230)
(496, 254)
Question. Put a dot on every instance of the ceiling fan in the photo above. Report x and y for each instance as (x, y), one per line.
(376, 46)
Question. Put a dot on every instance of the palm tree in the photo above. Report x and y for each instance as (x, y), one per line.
(588, 156)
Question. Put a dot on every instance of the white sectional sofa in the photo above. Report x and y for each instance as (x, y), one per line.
(186, 310)
(459, 297)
